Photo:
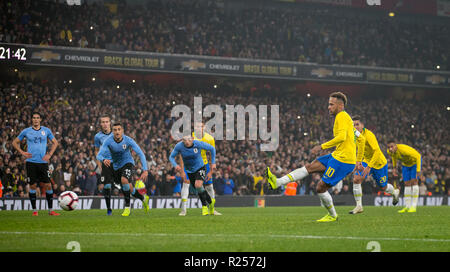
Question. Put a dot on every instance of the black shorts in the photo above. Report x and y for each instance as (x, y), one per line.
(125, 171)
(107, 175)
(200, 174)
(37, 172)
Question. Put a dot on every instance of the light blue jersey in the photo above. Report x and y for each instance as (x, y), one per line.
(121, 152)
(36, 142)
(99, 139)
(192, 156)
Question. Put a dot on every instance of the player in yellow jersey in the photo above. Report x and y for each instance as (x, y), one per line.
(334, 166)
(411, 167)
(207, 138)
(374, 163)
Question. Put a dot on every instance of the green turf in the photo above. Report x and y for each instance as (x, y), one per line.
(238, 229)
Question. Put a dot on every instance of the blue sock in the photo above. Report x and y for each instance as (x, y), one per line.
(32, 195)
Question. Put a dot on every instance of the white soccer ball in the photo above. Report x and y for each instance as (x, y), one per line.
(68, 200)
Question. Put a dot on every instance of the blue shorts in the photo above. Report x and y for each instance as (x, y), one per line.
(380, 175)
(335, 170)
(409, 173)
(208, 169)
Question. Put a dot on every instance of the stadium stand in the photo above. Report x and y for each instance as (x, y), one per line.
(72, 113)
(295, 32)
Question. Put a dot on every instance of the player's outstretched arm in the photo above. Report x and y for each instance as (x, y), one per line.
(101, 153)
(360, 145)
(172, 157)
(182, 173)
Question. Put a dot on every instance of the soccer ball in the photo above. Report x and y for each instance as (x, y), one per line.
(68, 200)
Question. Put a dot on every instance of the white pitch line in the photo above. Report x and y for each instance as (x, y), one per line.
(287, 236)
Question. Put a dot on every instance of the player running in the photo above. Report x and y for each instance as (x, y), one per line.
(203, 136)
(107, 173)
(195, 167)
(37, 160)
(374, 164)
(411, 166)
(335, 165)
(119, 146)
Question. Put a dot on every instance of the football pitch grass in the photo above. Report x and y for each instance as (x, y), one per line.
(269, 229)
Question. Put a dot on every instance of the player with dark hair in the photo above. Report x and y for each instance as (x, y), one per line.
(374, 164)
(336, 165)
(37, 159)
(195, 168)
(107, 173)
(411, 167)
(119, 146)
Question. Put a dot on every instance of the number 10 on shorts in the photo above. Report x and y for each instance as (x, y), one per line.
(329, 173)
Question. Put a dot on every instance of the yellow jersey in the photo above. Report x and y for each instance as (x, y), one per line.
(407, 155)
(372, 152)
(345, 139)
(257, 179)
(207, 138)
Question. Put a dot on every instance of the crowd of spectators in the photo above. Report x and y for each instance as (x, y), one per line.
(292, 32)
(72, 115)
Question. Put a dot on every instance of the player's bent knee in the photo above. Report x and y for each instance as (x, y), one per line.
(198, 183)
(314, 167)
(357, 179)
(321, 187)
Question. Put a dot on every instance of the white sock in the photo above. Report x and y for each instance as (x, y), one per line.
(389, 189)
(415, 195)
(407, 196)
(357, 193)
(184, 195)
(297, 174)
(210, 189)
(327, 202)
